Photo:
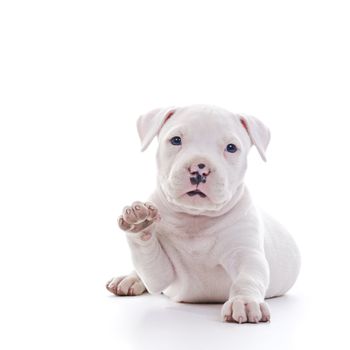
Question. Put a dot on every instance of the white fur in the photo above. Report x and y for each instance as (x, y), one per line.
(219, 248)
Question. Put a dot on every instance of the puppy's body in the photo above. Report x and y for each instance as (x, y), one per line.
(199, 246)
(210, 244)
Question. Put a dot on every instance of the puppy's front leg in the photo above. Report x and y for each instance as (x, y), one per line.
(249, 271)
(150, 261)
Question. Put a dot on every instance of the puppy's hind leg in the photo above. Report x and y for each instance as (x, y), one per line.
(130, 285)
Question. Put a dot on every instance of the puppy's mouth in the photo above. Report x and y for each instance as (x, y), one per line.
(196, 192)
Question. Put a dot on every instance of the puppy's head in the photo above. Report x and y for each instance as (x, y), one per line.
(202, 153)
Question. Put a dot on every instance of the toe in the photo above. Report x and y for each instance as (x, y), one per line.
(138, 288)
(265, 312)
(228, 319)
(238, 311)
(123, 224)
(124, 285)
(226, 311)
(140, 211)
(129, 215)
(109, 282)
(152, 211)
(253, 312)
(112, 285)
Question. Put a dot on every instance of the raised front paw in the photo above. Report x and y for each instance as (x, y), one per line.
(243, 309)
(138, 216)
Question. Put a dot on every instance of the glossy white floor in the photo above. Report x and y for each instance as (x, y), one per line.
(154, 322)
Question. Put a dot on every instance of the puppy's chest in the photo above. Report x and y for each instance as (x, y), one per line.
(197, 247)
(189, 244)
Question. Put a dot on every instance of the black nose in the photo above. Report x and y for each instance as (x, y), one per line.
(197, 178)
(199, 174)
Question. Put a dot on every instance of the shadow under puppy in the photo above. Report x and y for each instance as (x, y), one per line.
(200, 238)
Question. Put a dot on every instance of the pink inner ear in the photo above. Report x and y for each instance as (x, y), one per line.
(170, 113)
(244, 123)
(168, 116)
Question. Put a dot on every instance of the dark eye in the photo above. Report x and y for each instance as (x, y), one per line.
(176, 141)
(231, 148)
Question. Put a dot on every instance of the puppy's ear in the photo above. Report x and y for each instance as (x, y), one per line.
(258, 132)
(149, 124)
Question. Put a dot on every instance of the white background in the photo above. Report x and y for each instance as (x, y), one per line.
(74, 77)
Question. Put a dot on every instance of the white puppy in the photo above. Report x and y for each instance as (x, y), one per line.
(201, 239)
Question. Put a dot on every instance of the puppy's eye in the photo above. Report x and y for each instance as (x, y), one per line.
(231, 148)
(176, 140)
